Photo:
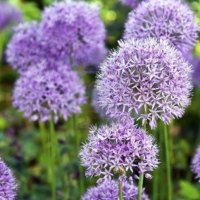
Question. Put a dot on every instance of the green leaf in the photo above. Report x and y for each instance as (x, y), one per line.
(189, 191)
(29, 9)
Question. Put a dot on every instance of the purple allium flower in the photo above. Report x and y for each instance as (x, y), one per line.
(8, 186)
(24, 49)
(170, 19)
(119, 149)
(108, 190)
(40, 93)
(8, 15)
(146, 78)
(196, 163)
(196, 71)
(95, 104)
(27, 48)
(131, 3)
(76, 29)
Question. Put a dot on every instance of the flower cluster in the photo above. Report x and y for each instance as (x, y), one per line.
(75, 28)
(196, 71)
(170, 19)
(41, 93)
(70, 33)
(24, 49)
(118, 149)
(108, 190)
(131, 3)
(95, 104)
(8, 15)
(8, 184)
(146, 77)
(196, 164)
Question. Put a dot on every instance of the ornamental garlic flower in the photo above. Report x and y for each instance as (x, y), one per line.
(108, 190)
(173, 20)
(131, 3)
(196, 164)
(95, 104)
(146, 78)
(24, 49)
(75, 28)
(8, 186)
(42, 93)
(9, 15)
(196, 71)
(119, 149)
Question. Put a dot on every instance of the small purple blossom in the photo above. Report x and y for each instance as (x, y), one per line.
(108, 190)
(9, 15)
(41, 93)
(196, 71)
(131, 3)
(196, 163)
(8, 186)
(169, 19)
(145, 78)
(119, 149)
(76, 29)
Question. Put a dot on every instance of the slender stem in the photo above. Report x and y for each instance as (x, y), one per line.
(53, 152)
(168, 167)
(78, 139)
(120, 190)
(43, 141)
(140, 186)
(155, 176)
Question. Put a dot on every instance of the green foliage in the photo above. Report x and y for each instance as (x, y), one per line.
(29, 9)
(189, 191)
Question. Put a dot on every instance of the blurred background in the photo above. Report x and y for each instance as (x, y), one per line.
(20, 140)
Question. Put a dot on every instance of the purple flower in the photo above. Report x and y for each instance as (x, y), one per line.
(9, 15)
(40, 93)
(148, 79)
(24, 49)
(131, 3)
(28, 48)
(108, 190)
(119, 149)
(196, 71)
(196, 164)
(95, 104)
(173, 20)
(76, 29)
(8, 184)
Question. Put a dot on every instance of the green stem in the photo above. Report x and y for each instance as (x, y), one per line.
(155, 176)
(53, 152)
(168, 167)
(140, 186)
(78, 141)
(43, 141)
(120, 190)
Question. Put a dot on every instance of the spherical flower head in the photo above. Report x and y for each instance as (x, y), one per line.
(145, 78)
(40, 94)
(9, 15)
(24, 49)
(95, 104)
(131, 3)
(196, 164)
(76, 29)
(8, 184)
(173, 20)
(117, 150)
(196, 71)
(108, 190)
